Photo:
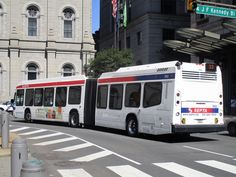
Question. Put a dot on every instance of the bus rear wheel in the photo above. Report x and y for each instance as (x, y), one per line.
(132, 127)
(74, 119)
(232, 129)
(27, 116)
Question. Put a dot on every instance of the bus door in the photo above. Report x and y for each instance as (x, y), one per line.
(151, 112)
(19, 111)
(115, 114)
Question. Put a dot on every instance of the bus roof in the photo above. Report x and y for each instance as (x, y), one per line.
(58, 81)
(136, 70)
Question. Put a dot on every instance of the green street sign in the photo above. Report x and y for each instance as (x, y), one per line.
(216, 11)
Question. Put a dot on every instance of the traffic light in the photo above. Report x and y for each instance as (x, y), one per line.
(191, 5)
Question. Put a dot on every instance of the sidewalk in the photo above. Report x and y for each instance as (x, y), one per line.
(5, 157)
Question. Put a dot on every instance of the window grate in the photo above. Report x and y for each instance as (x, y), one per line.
(211, 76)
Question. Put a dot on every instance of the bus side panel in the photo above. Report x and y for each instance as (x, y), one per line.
(90, 102)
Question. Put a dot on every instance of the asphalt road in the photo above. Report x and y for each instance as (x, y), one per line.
(81, 152)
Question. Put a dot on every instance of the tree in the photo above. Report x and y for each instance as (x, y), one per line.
(109, 60)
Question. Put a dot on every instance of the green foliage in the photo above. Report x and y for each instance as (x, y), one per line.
(109, 60)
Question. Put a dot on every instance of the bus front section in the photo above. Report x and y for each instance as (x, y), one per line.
(198, 106)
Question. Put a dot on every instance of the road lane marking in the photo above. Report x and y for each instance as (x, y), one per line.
(127, 171)
(56, 133)
(91, 157)
(46, 136)
(56, 141)
(19, 129)
(34, 132)
(181, 170)
(74, 173)
(211, 152)
(219, 165)
(75, 147)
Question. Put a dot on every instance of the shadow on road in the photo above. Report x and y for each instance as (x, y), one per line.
(166, 138)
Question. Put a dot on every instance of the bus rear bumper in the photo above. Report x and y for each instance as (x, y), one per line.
(197, 128)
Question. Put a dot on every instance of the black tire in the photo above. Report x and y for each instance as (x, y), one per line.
(28, 116)
(232, 129)
(1, 109)
(74, 119)
(132, 127)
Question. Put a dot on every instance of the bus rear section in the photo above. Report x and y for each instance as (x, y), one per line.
(198, 104)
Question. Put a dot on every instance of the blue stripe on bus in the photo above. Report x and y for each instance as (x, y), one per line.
(156, 77)
(191, 110)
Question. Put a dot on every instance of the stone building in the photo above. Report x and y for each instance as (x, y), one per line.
(43, 38)
(149, 24)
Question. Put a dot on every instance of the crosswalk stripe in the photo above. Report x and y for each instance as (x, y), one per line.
(74, 173)
(75, 147)
(34, 132)
(127, 171)
(19, 129)
(219, 165)
(91, 157)
(46, 136)
(56, 141)
(181, 170)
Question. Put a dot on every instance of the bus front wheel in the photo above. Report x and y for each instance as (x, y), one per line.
(27, 116)
(132, 127)
(74, 119)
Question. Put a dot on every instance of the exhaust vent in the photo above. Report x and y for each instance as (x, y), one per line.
(211, 76)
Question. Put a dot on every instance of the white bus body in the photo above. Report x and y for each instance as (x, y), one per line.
(168, 97)
(55, 99)
(173, 97)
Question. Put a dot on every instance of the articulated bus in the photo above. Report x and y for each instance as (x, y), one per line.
(169, 97)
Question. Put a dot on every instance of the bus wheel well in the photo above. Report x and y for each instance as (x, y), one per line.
(74, 118)
(27, 115)
(131, 125)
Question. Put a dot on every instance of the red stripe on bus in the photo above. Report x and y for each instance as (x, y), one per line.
(52, 84)
(118, 79)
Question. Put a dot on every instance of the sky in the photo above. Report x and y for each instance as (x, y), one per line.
(95, 15)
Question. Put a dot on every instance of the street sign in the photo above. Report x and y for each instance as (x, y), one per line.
(216, 11)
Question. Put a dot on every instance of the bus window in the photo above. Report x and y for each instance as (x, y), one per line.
(38, 97)
(102, 96)
(29, 95)
(132, 95)
(48, 96)
(152, 94)
(19, 97)
(61, 93)
(75, 95)
(116, 94)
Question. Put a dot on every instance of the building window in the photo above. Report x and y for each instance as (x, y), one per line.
(68, 70)
(68, 22)
(128, 42)
(168, 34)
(139, 38)
(33, 14)
(32, 71)
(168, 6)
